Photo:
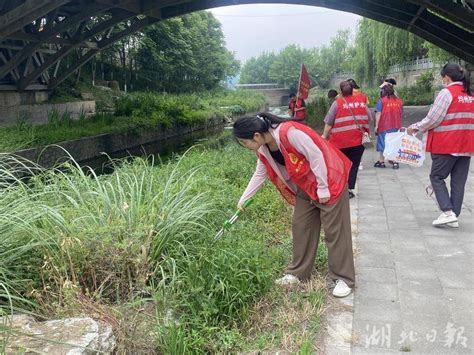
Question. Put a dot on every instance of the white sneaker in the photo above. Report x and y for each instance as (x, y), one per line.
(287, 279)
(341, 289)
(453, 224)
(445, 218)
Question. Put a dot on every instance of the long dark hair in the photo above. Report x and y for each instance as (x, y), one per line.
(388, 91)
(457, 73)
(246, 127)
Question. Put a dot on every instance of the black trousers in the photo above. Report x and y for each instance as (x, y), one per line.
(458, 167)
(355, 155)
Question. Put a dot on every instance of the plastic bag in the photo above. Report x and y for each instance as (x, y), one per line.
(404, 148)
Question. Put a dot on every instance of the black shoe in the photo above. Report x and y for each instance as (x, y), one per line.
(351, 195)
(395, 166)
(379, 164)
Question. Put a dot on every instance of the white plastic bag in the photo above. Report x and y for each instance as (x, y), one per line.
(404, 148)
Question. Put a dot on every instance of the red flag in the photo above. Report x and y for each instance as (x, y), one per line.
(304, 84)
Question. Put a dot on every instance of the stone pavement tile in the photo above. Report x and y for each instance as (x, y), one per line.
(415, 303)
(373, 228)
(429, 287)
(426, 334)
(375, 248)
(429, 230)
(393, 225)
(378, 237)
(396, 203)
(430, 207)
(401, 235)
(370, 335)
(452, 250)
(458, 277)
(414, 269)
(374, 219)
(468, 248)
(461, 304)
(414, 246)
(465, 235)
(374, 260)
(358, 350)
(375, 274)
(373, 310)
(377, 290)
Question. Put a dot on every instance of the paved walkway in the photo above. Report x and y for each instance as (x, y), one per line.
(414, 282)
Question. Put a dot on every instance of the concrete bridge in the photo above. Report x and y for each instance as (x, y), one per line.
(276, 95)
(38, 36)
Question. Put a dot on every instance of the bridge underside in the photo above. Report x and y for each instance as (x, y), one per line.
(43, 42)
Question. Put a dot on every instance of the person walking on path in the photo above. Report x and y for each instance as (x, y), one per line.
(297, 109)
(345, 123)
(450, 127)
(311, 175)
(357, 91)
(388, 119)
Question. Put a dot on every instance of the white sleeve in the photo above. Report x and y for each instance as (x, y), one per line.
(255, 183)
(305, 145)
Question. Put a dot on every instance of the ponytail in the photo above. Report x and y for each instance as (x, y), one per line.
(246, 127)
(457, 73)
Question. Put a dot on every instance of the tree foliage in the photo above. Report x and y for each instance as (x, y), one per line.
(284, 67)
(181, 54)
(186, 53)
(378, 46)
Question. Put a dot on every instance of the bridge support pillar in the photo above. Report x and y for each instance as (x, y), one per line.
(14, 98)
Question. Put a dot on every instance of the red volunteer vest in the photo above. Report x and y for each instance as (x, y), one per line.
(298, 104)
(455, 134)
(299, 169)
(391, 115)
(345, 132)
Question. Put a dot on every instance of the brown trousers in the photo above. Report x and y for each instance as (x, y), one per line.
(336, 220)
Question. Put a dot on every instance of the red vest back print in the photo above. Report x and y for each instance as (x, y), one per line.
(346, 132)
(391, 115)
(455, 134)
(299, 169)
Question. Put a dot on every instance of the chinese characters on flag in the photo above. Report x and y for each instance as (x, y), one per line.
(304, 84)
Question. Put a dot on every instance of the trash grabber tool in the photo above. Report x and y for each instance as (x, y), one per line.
(228, 223)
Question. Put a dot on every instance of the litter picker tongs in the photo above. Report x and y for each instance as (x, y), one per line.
(228, 223)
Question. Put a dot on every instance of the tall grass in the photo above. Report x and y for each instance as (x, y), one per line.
(142, 237)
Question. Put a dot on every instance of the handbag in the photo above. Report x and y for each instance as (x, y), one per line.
(365, 139)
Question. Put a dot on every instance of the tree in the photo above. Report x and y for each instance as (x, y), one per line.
(185, 53)
(378, 46)
(256, 69)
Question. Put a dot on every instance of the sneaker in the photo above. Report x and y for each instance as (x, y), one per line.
(395, 166)
(341, 289)
(453, 224)
(379, 164)
(287, 279)
(351, 194)
(445, 218)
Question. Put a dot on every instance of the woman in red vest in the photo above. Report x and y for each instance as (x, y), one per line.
(450, 127)
(346, 122)
(311, 175)
(297, 109)
(388, 119)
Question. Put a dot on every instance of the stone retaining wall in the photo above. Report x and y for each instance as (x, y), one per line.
(89, 148)
(11, 111)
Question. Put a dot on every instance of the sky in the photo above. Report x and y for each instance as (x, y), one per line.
(252, 29)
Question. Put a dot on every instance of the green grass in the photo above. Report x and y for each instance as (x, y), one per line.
(135, 112)
(136, 249)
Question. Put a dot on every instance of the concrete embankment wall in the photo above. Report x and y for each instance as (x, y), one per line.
(89, 148)
(38, 114)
